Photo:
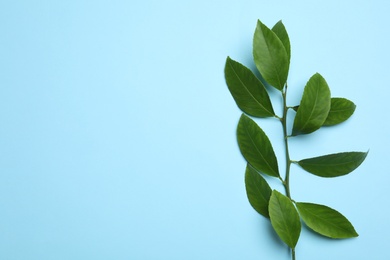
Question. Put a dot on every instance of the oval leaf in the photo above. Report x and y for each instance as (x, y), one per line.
(247, 90)
(270, 56)
(257, 190)
(256, 147)
(326, 221)
(284, 218)
(340, 110)
(314, 107)
(333, 165)
(281, 32)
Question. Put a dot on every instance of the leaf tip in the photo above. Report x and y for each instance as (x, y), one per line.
(279, 22)
(366, 153)
(353, 234)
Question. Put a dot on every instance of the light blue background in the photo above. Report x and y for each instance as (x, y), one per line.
(117, 131)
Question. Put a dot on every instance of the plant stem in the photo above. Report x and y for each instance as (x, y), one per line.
(286, 182)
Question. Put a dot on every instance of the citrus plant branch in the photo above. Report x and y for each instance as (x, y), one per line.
(272, 53)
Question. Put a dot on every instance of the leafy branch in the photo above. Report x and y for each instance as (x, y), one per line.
(272, 54)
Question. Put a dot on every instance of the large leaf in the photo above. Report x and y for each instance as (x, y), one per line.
(257, 190)
(326, 221)
(270, 56)
(247, 90)
(314, 107)
(256, 147)
(284, 218)
(333, 165)
(281, 32)
(340, 110)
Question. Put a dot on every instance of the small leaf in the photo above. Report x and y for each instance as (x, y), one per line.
(314, 107)
(257, 190)
(326, 221)
(333, 165)
(281, 32)
(340, 110)
(284, 218)
(270, 56)
(247, 90)
(256, 147)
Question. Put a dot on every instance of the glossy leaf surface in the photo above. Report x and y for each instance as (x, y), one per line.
(282, 34)
(284, 218)
(340, 110)
(257, 190)
(270, 56)
(333, 165)
(256, 147)
(325, 220)
(247, 90)
(314, 107)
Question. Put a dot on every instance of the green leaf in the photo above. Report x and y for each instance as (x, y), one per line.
(340, 110)
(326, 221)
(333, 165)
(247, 90)
(314, 107)
(256, 147)
(257, 190)
(281, 32)
(270, 56)
(284, 218)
